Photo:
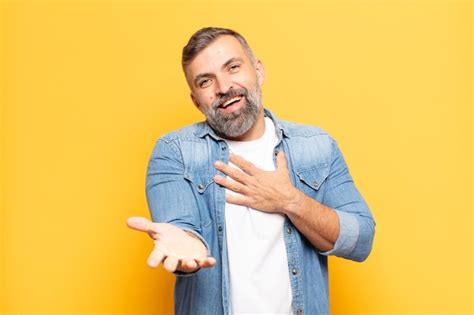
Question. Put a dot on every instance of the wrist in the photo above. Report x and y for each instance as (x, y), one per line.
(294, 202)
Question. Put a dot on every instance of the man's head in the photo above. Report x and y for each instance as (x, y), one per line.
(225, 80)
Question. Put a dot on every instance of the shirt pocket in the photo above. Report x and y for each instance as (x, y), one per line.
(201, 184)
(312, 178)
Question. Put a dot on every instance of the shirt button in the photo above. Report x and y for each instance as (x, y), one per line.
(219, 228)
(288, 230)
(224, 148)
(315, 184)
(299, 311)
(294, 271)
(201, 186)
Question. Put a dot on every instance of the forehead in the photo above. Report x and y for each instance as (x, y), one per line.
(211, 58)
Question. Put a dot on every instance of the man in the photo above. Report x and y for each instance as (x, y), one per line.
(249, 206)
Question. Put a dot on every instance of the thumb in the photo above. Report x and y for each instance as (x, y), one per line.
(141, 224)
(281, 161)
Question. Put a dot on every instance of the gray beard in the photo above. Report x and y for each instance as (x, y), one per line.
(237, 123)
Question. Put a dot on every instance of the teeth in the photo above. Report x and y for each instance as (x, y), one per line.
(231, 101)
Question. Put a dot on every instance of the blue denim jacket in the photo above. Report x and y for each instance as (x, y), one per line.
(180, 190)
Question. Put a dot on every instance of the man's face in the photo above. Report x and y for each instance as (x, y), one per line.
(226, 86)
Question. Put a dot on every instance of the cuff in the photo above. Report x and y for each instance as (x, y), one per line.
(348, 235)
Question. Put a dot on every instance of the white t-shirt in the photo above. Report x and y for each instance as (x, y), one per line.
(258, 265)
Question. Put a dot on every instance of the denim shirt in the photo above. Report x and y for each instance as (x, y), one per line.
(180, 190)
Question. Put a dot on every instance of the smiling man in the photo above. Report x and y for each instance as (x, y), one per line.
(246, 207)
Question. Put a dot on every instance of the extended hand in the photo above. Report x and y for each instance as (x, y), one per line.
(269, 191)
(176, 248)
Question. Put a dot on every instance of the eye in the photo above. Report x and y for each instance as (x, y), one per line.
(204, 83)
(234, 67)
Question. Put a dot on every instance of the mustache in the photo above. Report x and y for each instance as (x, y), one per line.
(225, 96)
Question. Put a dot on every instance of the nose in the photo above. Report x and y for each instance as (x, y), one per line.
(223, 86)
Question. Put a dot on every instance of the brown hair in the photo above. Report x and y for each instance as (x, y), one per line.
(204, 37)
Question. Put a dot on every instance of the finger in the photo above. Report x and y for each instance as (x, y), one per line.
(155, 258)
(209, 262)
(232, 172)
(237, 200)
(170, 263)
(188, 265)
(231, 184)
(141, 224)
(206, 262)
(281, 161)
(191, 264)
(243, 164)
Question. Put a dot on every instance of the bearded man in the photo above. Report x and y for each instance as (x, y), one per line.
(246, 207)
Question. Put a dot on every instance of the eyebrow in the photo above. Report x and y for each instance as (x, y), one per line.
(228, 62)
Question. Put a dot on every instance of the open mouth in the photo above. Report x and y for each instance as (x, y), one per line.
(231, 101)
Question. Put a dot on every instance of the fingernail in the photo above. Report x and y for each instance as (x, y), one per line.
(218, 163)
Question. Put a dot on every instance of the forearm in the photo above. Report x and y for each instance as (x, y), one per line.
(318, 223)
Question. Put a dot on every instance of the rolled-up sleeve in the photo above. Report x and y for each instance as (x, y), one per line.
(356, 223)
(169, 196)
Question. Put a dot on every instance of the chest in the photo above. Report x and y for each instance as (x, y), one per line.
(309, 161)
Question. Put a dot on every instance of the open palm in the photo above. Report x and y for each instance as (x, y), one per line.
(176, 248)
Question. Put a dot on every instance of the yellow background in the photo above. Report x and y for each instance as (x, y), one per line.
(88, 87)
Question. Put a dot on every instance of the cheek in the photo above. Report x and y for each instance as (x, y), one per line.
(203, 97)
(249, 80)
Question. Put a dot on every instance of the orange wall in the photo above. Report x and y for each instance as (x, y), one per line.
(89, 86)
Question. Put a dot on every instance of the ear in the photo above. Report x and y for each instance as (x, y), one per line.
(260, 72)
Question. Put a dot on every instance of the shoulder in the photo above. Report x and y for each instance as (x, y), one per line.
(186, 133)
(171, 142)
(185, 146)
